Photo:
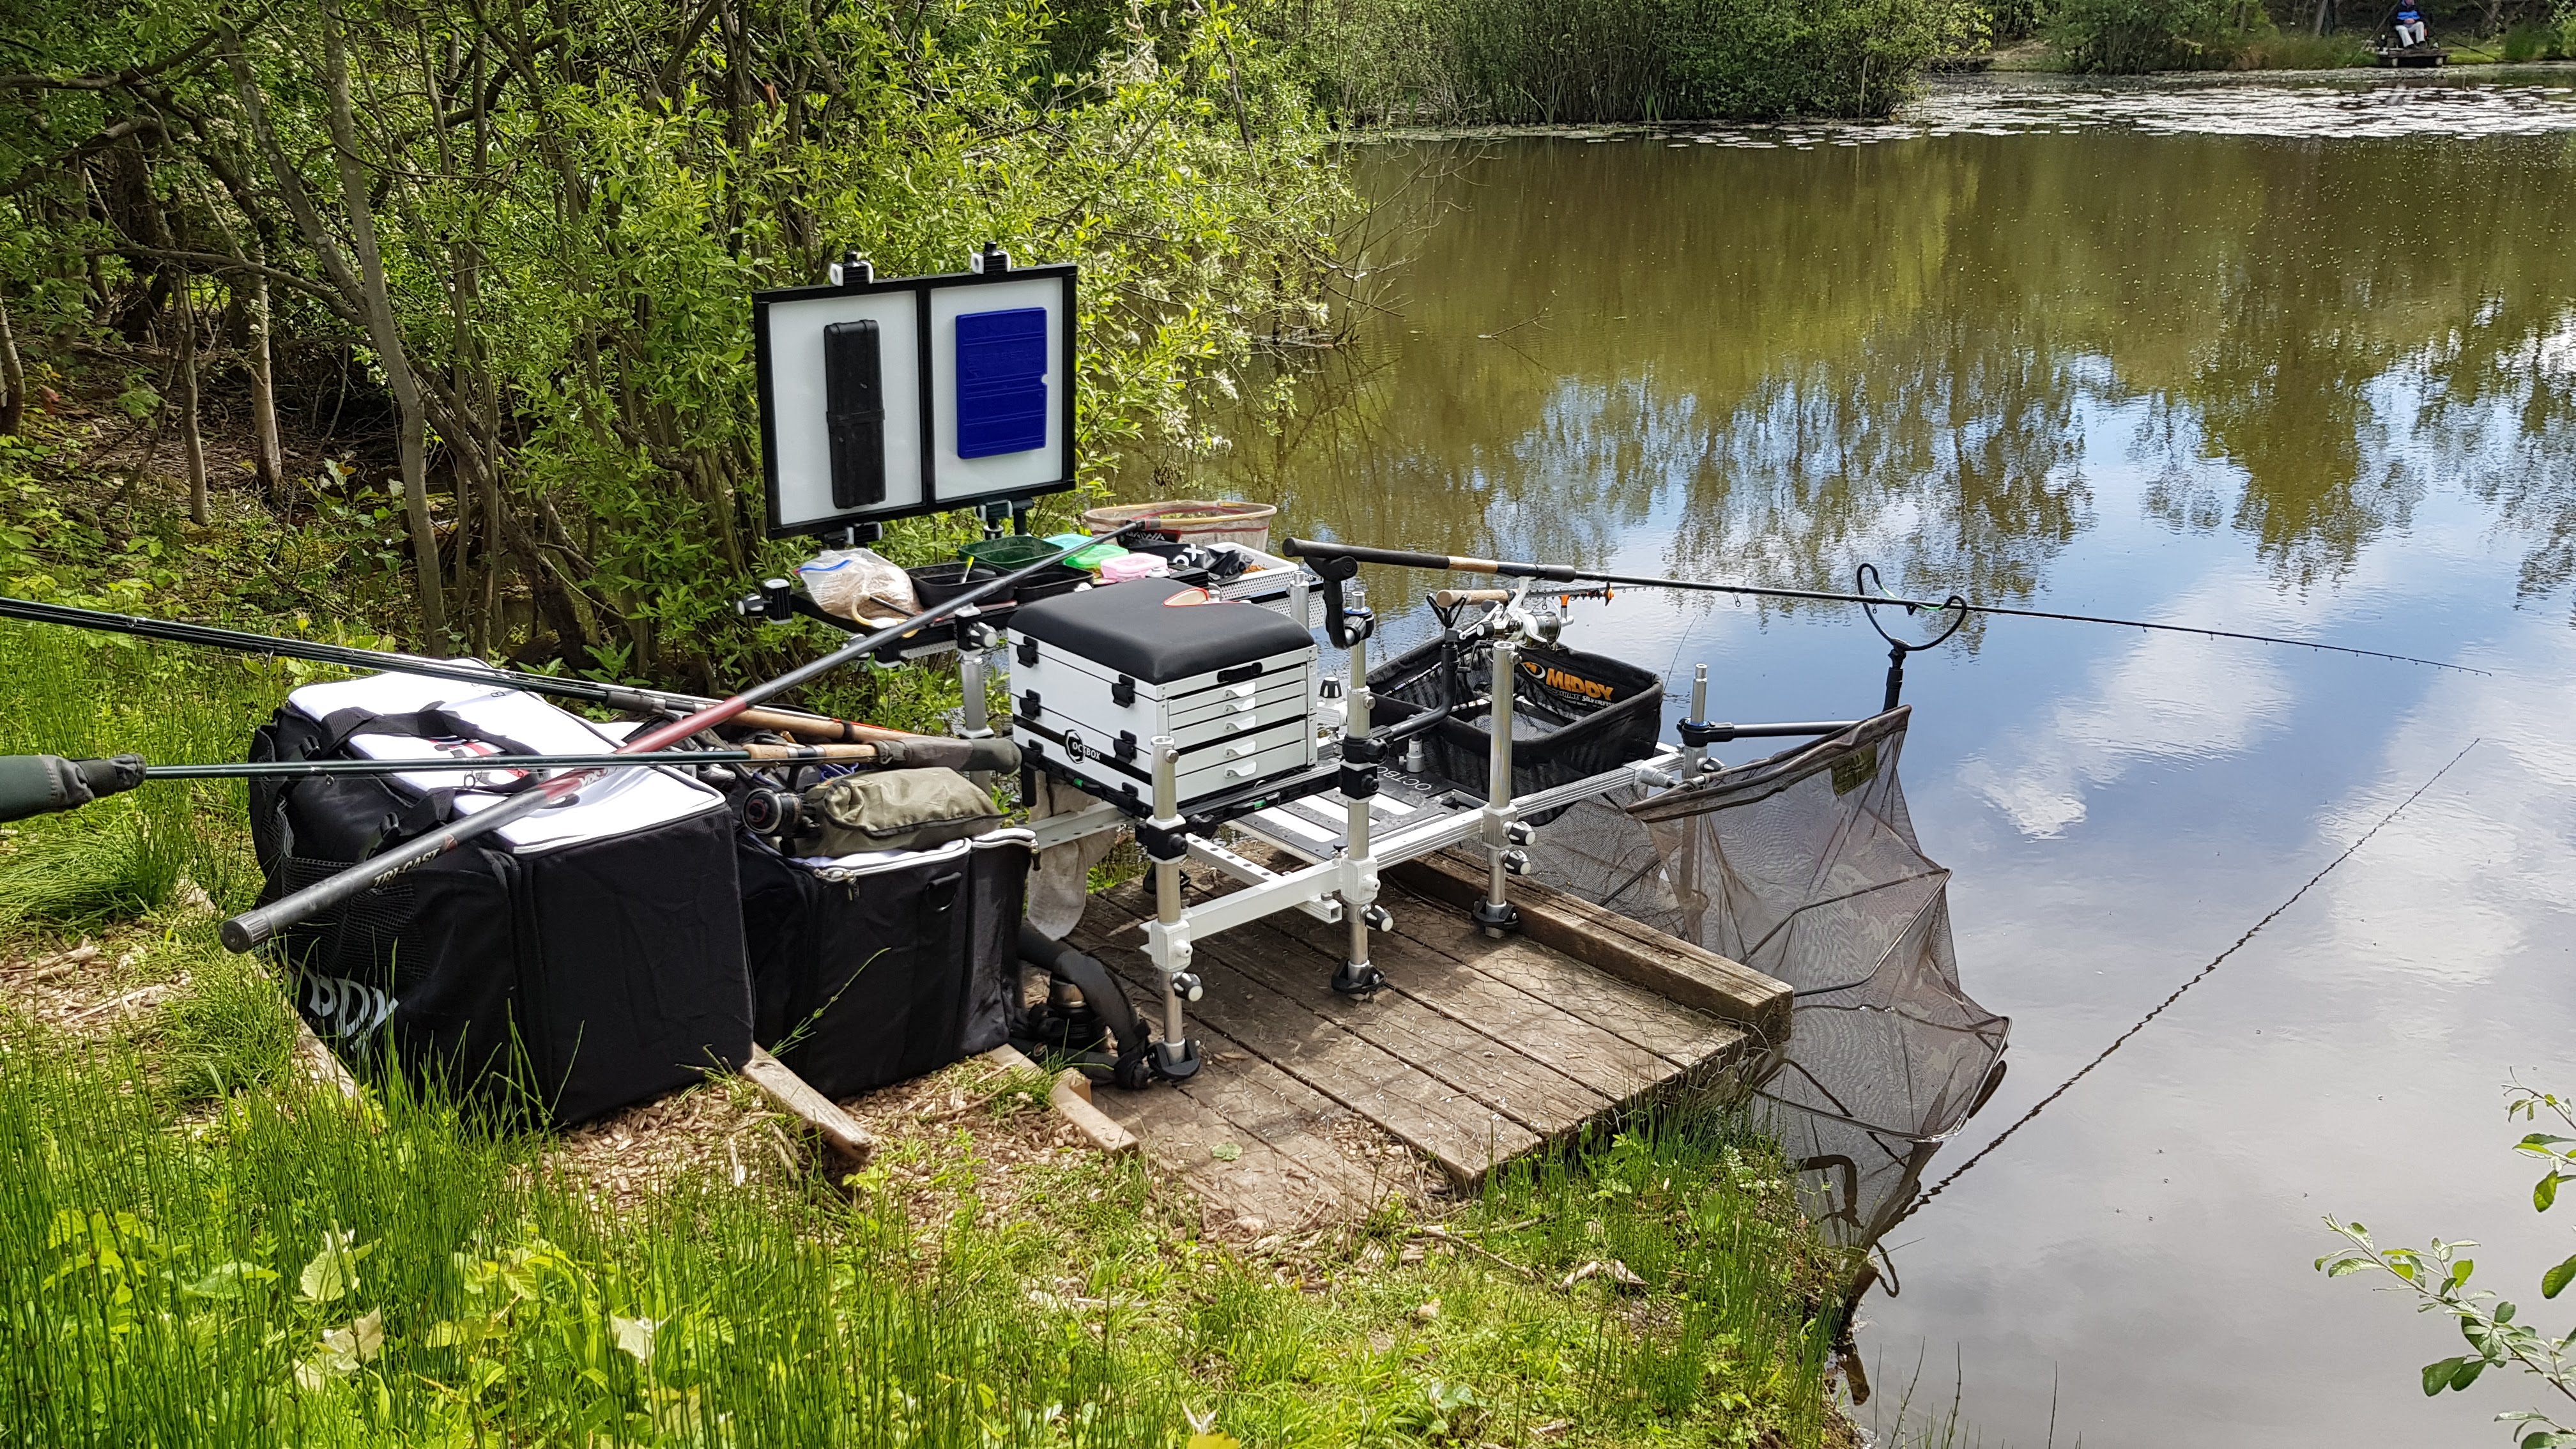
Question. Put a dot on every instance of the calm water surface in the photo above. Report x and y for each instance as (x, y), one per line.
(2291, 358)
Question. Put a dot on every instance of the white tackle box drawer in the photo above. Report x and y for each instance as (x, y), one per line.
(1098, 675)
(1225, 774)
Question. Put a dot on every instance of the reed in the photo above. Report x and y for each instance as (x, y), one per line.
(1576, 61)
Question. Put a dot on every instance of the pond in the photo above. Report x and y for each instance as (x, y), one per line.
(2287, 357)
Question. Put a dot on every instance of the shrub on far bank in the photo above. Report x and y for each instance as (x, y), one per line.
(2130, 37)
(1767, 58)
(1523, 61)
(2288, 50)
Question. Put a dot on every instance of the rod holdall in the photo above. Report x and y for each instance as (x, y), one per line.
(49, 784)
(562, 967)
(889, 810)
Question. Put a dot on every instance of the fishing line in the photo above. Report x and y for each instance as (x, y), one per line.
(1568, 573)
(2203, 975)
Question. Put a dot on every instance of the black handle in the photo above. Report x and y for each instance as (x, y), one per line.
(1437, 562)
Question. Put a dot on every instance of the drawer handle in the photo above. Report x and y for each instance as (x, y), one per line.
(1237, 726)
(1240, 691)
(1237, 752)
(1236, 772)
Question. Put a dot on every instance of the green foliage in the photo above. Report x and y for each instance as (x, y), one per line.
(567, 260)
(229, 1029)
(1515, 61)
(2438, 1277)
(1777, 58)
(79, 696)
(2130, 37)
(2271, 49)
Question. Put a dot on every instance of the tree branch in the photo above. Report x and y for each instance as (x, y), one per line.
(127, 77)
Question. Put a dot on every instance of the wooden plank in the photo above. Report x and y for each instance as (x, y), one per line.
(1667, 965)
(1504, 1017)
(1683, 1035)
(1426, 1114)
(1250, 1140)
(791, 1094)
(1071, 1102)
(1517, 1077)
(1653, 1022)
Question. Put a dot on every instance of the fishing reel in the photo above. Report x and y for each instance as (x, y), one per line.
(1508, 613)
(770, 811)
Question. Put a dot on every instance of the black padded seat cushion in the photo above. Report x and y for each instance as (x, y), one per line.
(1129, 629)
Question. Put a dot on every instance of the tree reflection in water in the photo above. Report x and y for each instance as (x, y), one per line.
(1772, 364)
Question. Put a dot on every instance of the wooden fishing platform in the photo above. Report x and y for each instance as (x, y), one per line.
(1478, 1051)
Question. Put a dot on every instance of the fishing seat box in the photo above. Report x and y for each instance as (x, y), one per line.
(869, 969)
(571, 963)
(1097, 675)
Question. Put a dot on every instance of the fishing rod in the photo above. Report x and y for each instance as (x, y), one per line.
(1567, 573)
(251, 927)
(628, 698)
(50, 784)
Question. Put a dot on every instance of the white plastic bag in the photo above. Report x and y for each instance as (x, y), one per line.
(857, 585)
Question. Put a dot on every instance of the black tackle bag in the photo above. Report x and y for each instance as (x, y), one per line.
(583, 959)
(873, 968)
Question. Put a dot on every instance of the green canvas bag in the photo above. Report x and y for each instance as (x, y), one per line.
(891, 810)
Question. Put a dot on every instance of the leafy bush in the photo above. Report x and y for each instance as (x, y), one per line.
(2438, 1277)
(2131, 37)
(1519, 61)
(2281, 50)
(566, 262)
(1771, 58)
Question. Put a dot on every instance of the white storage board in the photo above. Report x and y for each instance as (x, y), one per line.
(935, 393)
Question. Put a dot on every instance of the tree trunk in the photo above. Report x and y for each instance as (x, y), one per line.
(191, 438)
(385, 332)
(268, 455)
(13, 377)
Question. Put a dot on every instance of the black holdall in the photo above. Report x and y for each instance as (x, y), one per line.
(875, 967)
(583, 959)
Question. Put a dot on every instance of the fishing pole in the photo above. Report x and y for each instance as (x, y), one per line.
(1567, 573)
(628, 698)
(50, 784)
(251, 927)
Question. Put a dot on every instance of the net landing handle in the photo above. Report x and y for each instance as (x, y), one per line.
(1438, 562)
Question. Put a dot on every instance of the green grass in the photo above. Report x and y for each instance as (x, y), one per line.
(199, 1248)
(300, 1270)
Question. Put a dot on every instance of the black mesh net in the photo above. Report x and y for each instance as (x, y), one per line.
(1804, 866)
(1573, 714)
